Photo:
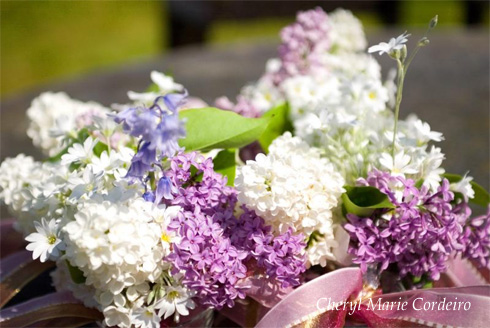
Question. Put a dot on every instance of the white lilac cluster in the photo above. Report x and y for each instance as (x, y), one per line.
(347, 116)
(346, 33)
(55, 116)
(340, 34)
(294, 187)
(35, 190)
(79, 210)
(116, 241)
(341, 104)
(118, 245)
(29, 189)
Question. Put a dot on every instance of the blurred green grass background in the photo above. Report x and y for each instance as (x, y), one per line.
(42, 41)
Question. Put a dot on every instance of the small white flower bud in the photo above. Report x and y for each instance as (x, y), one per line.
(433, 22)
(423, 42)
(403, 53)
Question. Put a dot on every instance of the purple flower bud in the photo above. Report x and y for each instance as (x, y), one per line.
(159, 132)
(149, 196)
(174, 100)
(165, 188)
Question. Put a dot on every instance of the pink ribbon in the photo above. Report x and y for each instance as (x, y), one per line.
(312, 305)
(462, 272)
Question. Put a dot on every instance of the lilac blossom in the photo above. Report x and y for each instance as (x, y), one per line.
(218, 248)
(476, 238)
(303, 43)
(419, 235)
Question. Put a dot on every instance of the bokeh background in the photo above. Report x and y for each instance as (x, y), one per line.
(43, 41)
(98, 50)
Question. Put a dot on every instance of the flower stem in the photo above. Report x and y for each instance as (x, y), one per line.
(399, 91)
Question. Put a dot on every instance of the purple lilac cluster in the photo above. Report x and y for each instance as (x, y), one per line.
(158, 128)
(303, 44)
(477, 239)
(243, 106)
(218, 249)
(418, 236)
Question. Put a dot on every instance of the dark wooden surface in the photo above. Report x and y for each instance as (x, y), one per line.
(447, 85)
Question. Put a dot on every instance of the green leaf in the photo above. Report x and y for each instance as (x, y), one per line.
(212, 128)
(225, 164)
(362, 201)
(99, 148)
(57, 157)
(196, 175)
(76, 274)
(482, 197)
(279, 124)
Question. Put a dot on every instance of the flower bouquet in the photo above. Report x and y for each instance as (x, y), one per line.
(156, 212)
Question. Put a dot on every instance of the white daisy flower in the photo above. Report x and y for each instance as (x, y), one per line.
(464, 187)
(79, 153)
(392, 45)
(400, 165)
(176, 300)
(165, 84)
(87, 182)
(106, 163)
(45, 243)
(420, 131)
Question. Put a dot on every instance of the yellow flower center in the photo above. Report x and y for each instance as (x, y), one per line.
(165, 237)
(173, 294)
(52, 239)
